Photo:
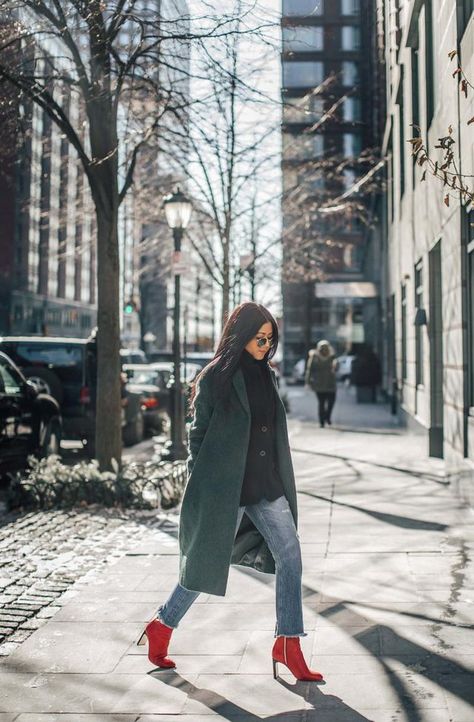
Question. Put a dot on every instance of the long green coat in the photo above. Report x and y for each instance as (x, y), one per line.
(218, 442)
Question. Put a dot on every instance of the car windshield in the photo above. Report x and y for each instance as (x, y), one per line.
(64, 359)
(144, 377)
(10, 380)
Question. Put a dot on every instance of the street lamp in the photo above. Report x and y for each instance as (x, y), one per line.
(178, 210)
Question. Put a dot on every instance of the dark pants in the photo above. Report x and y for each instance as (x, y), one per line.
(326, 401)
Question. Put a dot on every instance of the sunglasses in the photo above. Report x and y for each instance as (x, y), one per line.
(261, 342)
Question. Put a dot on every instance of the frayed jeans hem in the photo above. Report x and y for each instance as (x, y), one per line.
(160, 618)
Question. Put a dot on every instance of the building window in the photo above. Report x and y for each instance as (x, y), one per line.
(349, 178)
(404, 332)
(350, 7)
(352, 145)
(429, 60)
(401, 132)
(419, 329)
(350, 73)
(303, 38)
(321, 312)
(350, 38)
(465, 9)
(302, 147)
(303, 110)
(468, 234)
(302, 74)
(303, 8)
(415, 101)
(351, 110)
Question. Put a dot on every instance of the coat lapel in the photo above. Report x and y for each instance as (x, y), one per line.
(238, 382)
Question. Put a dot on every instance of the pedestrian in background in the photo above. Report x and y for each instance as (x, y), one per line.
(366, 374)
(320, 375)
(239, 505)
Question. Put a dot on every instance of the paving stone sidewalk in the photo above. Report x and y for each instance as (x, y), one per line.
(388, 595)
(46, 556)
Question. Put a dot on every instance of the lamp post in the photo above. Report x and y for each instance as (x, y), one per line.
(178, 210)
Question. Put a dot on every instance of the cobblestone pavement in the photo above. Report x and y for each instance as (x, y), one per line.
(43, 556)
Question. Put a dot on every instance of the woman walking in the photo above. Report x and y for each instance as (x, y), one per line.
(321, 377)
(239, 505)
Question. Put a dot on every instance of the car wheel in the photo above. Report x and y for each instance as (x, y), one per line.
(49, 438)
(134, 432)
(46, 381)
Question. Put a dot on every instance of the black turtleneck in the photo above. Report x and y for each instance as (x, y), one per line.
(261, 478)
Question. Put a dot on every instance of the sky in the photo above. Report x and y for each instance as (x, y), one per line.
(260, 67)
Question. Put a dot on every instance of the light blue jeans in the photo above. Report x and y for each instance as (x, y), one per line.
(274, 521)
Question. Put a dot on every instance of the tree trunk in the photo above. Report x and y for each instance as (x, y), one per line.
(108, 437)
(104, 186)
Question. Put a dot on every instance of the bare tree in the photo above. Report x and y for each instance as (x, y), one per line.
(223, 153)
(445, 166)
(58, 49)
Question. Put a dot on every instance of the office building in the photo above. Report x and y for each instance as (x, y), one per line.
(428, 227)
(330, 260)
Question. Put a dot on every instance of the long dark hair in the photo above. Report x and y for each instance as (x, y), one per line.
(241, 326)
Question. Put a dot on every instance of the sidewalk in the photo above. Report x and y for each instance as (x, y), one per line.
(388, 592)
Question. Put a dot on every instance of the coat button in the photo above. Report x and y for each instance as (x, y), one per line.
(264, 428)
(263, 453)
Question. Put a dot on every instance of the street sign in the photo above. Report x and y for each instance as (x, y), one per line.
(179, 263)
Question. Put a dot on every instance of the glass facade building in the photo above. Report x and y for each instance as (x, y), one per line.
(327, 122)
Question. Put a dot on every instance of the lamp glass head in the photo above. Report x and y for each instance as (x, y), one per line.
(178, 209)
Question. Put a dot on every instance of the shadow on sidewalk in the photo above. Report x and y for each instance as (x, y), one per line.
(447, 674)
(350, 459)
(309, 691)
(403, 522)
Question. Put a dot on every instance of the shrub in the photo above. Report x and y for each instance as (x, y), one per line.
(49, 483)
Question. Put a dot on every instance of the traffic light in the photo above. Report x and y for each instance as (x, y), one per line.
(130, 306)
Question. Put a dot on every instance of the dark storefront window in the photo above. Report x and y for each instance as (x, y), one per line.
(404, 332)
(469, 235)
(418, 328)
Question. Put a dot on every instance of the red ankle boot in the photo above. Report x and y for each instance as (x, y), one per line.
(287, 650)
(158, 635)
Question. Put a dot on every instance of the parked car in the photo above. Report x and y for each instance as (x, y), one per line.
(192, 357)
(166, 368)
(201, 358)
(30, 421)
(133, 356)
(151, 383)
(158, 356)
(344, 367)
(188, 372)
(65, 368)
